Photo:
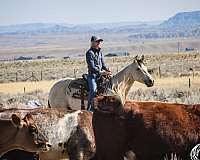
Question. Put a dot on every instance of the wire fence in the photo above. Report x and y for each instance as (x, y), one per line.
(48, 74)
(58, 73)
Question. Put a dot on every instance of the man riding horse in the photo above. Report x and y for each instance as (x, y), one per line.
(96, 66)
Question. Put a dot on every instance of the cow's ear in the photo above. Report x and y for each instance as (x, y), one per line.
(16, 120)
(28, 119)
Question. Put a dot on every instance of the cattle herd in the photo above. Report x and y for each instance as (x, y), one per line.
(114, 131)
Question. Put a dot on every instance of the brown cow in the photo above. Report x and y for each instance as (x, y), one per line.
(150, 129)
(21, 134)
(17, 154)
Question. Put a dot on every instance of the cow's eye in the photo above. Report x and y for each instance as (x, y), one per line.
(33, 129)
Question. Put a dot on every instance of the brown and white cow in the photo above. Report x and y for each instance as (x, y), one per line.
(149, 129)
(69, 132)
(17, 133)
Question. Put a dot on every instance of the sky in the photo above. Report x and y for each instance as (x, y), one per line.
(91, 11)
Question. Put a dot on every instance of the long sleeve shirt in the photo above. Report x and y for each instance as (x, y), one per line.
(95, 61)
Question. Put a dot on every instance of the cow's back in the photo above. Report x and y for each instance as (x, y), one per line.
(160, 128)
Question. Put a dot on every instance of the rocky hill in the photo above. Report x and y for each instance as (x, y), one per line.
(185, 24)
(183, 19)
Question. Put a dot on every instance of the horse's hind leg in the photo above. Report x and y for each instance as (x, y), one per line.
(49, 106)
(82, 98)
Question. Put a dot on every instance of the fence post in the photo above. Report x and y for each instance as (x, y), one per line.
(16, 77)
(74, 73)
(159, 71)
(41, 76)
(189, 83)
(191, 70)
(193, 74)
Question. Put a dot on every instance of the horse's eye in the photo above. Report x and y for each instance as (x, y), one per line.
(138, 69)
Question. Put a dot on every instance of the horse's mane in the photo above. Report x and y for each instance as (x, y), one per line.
(120, 89)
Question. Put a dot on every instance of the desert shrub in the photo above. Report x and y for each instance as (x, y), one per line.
(167, 95)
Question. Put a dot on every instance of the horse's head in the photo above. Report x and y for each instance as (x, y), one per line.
(140, 73)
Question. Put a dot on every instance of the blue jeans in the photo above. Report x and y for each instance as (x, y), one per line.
(92, 90)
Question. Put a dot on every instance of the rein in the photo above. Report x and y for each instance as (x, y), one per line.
(105, 84)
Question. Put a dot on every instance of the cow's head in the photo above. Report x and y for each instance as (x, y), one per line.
(108, 103)
(28, 137)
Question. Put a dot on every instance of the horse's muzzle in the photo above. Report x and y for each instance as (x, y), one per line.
(150, 83)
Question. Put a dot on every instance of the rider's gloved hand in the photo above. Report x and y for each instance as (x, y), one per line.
(109, 71)
(102, 72)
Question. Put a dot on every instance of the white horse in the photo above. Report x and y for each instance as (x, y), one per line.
(60, 94)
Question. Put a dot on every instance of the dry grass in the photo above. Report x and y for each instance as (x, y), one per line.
(13, 95)
(171, 65)
(185, 96)
(59, 45)
(21, 100)
(165, 89)
(18, 87)
(171, 87)
(162, 83)
(172, 83)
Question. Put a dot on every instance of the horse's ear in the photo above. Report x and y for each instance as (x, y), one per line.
(142, 59)
(135, 58)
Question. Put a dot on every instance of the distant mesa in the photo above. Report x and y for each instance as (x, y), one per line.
(185, 24)
(183, 19)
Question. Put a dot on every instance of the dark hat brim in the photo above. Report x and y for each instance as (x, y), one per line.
(99, 40)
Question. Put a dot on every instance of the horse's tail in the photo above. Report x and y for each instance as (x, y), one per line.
(49, 104)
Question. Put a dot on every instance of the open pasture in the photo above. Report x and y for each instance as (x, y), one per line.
(168, 65)
(170, 71)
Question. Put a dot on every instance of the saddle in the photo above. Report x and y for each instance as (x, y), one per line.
(79, 82)
(80, 87)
